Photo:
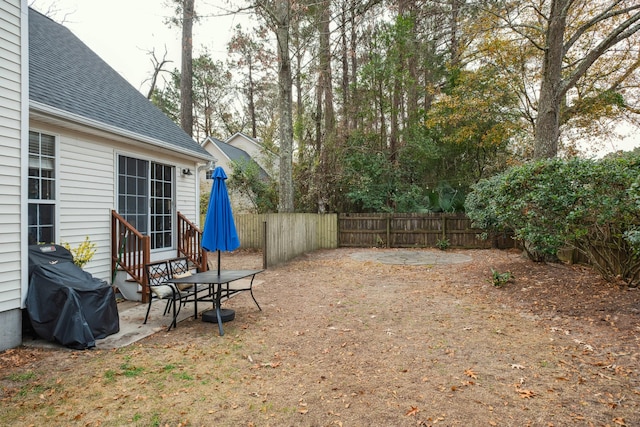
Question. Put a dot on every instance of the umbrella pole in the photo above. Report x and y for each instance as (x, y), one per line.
(218, 262)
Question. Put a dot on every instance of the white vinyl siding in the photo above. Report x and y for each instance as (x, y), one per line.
(11, 159)
(86, 192)
(85, 198)
(186, 197)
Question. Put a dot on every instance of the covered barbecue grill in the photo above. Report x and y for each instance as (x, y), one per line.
(65, 303)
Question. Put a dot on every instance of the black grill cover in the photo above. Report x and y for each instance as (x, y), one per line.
(65, 303)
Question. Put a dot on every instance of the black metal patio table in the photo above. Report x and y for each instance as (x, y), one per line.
(217, 281)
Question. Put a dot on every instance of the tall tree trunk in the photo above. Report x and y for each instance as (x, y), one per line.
(300, 110)
(186, 76)
(252, 105)
(278, 15)
(398, 88)
(325, 68)
(412, 67)
(285, 104)
(383, 121)
(325, 104)
(354, 110)
(454, 50)
(551, 88)
(345, 68)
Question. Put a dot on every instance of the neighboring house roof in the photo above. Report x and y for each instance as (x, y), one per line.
(247, 137)
(235, 154)
(68, 78)
(233, 140)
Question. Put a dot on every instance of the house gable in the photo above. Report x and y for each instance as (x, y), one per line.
(227, 154)
(267, 160)
(246, 144)
(68, 78)
(99, 123)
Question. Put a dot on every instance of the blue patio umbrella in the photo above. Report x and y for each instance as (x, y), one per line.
(219, 232)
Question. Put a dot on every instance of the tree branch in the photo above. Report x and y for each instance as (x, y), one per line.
(622, 32)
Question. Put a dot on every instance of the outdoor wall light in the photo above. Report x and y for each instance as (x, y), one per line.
(187, 172)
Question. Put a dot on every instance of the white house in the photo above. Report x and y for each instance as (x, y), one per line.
(79, 143)
(267, 160)
(239, 148)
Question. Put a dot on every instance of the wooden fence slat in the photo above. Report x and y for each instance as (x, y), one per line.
(289, 235)
(410, 230)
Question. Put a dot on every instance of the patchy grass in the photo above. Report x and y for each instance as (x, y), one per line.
(346, 342)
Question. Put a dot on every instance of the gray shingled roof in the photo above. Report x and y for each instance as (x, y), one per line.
(237, 155)
(65, 74)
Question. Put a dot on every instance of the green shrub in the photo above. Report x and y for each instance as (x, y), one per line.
(443, 244)
(500, 279)
(592, 206)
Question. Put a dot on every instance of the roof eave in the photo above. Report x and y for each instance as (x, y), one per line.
(67, 119)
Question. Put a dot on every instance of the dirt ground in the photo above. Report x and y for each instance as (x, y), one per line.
(346, 342)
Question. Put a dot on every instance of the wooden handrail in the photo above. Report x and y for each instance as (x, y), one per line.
(130, 251)
(189, 243)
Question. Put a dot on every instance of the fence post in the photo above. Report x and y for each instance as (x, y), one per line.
(388, 232)
(444, 227)
(264, 245)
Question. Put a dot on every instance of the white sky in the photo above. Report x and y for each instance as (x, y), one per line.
(121, 32)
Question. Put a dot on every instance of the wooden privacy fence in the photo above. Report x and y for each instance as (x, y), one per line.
(413, 230)
(285, 236)
(282, 237)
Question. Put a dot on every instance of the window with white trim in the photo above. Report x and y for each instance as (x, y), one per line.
(42, 188)
(161, 206)
(145, 198)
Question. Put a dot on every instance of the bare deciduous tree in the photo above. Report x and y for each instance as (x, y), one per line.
(158, 67)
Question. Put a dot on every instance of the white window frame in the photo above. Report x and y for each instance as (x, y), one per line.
(54, 186)
(150, 198)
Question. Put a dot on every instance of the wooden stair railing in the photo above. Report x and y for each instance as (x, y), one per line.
(189, 243)
(130, 251)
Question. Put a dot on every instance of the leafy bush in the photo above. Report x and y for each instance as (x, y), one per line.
(589, 205)
(249, 180)
(443, 244)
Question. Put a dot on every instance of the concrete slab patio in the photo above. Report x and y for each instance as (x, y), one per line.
(412, 257)
(131, 314)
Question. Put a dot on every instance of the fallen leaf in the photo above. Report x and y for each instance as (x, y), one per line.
(526, 394)
(413, 411)
(471, 374)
